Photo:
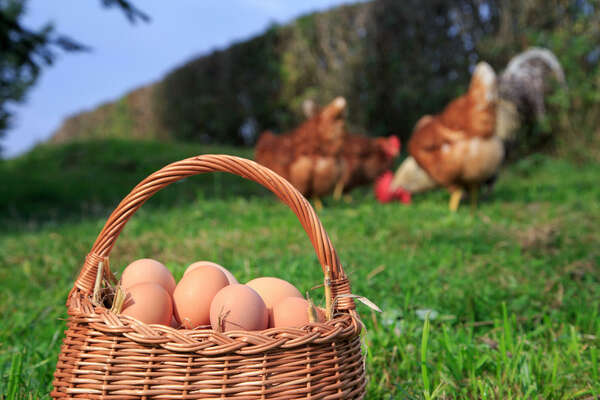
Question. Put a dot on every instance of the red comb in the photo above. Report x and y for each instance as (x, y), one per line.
(382, 187)
(392, 146)
(394, 142)
(385, 195)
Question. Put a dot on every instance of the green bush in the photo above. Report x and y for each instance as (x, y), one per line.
(576, 115)
(393, 61)
(570, 29)
(383, 56)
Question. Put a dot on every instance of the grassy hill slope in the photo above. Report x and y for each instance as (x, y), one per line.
(513, 288)
(85, 178)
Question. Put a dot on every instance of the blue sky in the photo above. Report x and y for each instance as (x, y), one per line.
(126, 56)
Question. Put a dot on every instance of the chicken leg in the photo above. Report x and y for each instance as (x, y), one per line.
(318, 204)
(474, 195)
(455, 198)
(338, 191)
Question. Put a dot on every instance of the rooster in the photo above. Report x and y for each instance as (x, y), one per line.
(522, 89)
(458, 149)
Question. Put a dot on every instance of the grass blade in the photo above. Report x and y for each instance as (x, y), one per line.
(424, 343)
(14, 377)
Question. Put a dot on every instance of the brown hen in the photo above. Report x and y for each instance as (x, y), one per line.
(309, 156)
(365, 159)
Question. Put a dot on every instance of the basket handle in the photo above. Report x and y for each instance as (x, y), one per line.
(217, 163)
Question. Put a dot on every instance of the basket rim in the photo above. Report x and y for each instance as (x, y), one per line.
(209, 342)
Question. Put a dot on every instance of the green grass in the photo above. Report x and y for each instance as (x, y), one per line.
(511, 291)
(83, 179)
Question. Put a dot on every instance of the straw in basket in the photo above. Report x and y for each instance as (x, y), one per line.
(109, 356)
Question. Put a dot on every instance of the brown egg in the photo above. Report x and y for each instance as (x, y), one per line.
(273, 290)
(148, 270)
(148, 302)
(292, 312)
(194, 293)
(238, 308)
(197, 264)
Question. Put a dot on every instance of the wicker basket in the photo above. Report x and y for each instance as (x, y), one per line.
(110, 356)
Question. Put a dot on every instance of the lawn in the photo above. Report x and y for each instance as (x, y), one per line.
(511, 290)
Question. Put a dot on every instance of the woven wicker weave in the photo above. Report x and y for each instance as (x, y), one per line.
(110, 356)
